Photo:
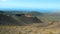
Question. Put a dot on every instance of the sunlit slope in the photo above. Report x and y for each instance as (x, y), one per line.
(49, 17)
(30, 29)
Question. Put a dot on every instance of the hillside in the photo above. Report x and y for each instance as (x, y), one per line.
(44, 23)
(7, 20)
(17, 20)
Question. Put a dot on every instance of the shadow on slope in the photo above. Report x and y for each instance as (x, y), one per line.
(17, 20)
(7, 20)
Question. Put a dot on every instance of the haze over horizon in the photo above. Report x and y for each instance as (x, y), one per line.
(38, 5)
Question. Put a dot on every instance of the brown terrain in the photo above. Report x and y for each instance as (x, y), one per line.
(27, 24)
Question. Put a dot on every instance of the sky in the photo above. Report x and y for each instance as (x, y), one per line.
(29, 4)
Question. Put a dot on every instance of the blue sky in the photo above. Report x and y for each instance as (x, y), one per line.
(30, 4)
